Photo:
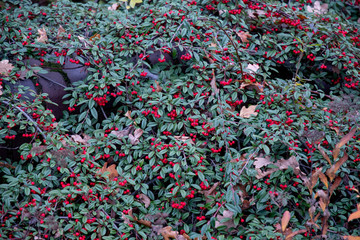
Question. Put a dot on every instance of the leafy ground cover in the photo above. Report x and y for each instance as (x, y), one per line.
(179, 120)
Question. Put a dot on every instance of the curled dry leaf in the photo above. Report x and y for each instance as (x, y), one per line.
(244, 36)
(210, 192)
(134, 138)
(184, 139)
(213, 84)
(283, 164)
(128, 115)
(145, 199)
(60, 31)
(248, 112)
(81, 140)
(343, 141)
(167, 233)
(354, 215)
(318, 8)
(351, 237)
(158, 87)
(334, 168)
(5, 67)
(43, 36)
(229, 223)
(111, 170)
(253, 68)
(122, 133)
(113, 7)
(293, 234)
(259, 88)
(255, 13)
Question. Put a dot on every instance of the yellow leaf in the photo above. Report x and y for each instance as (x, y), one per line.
(354, 215)
(133, 2)
(285, 220)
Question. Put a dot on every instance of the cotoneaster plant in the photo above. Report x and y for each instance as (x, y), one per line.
(178, 119)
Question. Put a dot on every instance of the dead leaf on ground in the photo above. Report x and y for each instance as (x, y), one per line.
(354, 215)
(43, 36)
(184, 139)
(318, 8)
(253, 68)
(157, 218)
(167, 233)
(82, 140)
(213, 84)
(255, 13)
(134, 138)
(244, 36)
(343, 141)
(286, 232)
(59, 32)
(351, 237)
(113, 7)
(248, 112)
(122, 133)
(5, 67)
(210, 192)
(282, 164)
(95, 37)
(259, 88)
(158, 87)
(112, 171)
(229, 223)
(128, 115)
(145, 199)
(285, 220)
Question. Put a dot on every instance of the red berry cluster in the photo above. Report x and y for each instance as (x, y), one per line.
(178, 206)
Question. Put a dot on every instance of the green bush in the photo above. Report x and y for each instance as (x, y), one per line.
(179, 119)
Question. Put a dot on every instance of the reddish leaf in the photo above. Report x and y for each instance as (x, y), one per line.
(334, 168)
(343, 141)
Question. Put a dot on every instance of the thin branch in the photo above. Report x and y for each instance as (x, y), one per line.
(28, 117)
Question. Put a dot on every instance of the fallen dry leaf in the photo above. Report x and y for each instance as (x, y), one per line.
(210, 192)
(122, 133)
(255, 13)
(113, 7)
(82, 140)
(318, 8)
(95, 37)
(128, 115)
(244, 36)
(184, 138)
(229, 223)
(253, 67)
(248, 112)
(157, 218)
(167, 233)
(112, 171)
(43, 36)
(5, 67)
(331, 172)
(343, 141)
(257, 86)
(282, 164)
(354, 215)
(134, 138)
(158, 87)
(145, 199)
(213, 84)
(351, 237)
(285, 220)
(59, 32)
